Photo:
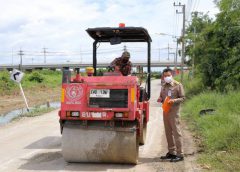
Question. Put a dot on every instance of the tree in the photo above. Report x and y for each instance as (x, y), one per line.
(217, 46)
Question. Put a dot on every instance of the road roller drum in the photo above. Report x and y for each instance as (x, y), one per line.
(99, 145)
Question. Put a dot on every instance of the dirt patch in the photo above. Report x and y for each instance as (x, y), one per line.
(190, 154)
(35, 96)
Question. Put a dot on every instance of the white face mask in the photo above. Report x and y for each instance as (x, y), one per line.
(168, 79)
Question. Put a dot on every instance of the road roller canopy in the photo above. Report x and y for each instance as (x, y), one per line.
(116, 35)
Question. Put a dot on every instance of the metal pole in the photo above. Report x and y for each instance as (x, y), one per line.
(168, 51)
(149, 70)
(44, 53)
(176, 55)
(80, 54)
(124, 48)
(20, 54)
(25, 100)
(183, 44)
(12, 56)
(95, 57)
(159, 55)
(183, 37)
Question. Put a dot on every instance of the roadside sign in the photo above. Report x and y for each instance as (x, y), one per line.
(16, 75)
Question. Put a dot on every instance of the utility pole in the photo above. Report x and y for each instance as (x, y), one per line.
(124, 48)
(20, 54)
(175, 64)
(159, 54)
(168, 51)
(183, 35)
(12, 56)
(80, 54)
(44, 53)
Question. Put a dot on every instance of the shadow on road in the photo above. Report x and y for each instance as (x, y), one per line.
(51, 142)
(51, 161)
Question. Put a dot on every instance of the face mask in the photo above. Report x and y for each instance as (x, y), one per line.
(168, 79)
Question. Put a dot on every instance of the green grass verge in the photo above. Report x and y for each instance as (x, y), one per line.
(35, 79)
(220, 131)
(35, 112)
(38, 111)
(191, 86)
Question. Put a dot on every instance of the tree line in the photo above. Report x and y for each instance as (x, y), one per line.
(213, 45)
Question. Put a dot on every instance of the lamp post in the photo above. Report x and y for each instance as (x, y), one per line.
(175, 55)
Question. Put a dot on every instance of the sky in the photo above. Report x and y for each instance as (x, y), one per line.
(59, 27)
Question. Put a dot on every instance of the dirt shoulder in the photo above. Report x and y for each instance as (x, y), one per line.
(35, 96)
(190, 155)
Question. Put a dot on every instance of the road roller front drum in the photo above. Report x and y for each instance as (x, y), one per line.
(81, 144)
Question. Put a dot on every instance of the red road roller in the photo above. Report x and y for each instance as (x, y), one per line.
(104, 118)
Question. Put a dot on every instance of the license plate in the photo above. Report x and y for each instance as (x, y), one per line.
(101, 93)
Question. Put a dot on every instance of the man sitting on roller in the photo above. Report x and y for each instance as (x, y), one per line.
(124, 63)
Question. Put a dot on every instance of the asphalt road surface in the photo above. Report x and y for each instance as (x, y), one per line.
(34, 144)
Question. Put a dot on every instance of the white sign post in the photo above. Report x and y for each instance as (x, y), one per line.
(17, 76)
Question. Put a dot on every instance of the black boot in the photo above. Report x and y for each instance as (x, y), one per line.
(168, 156)
(177, 158)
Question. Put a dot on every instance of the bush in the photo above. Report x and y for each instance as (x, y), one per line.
(6, 84)
(156, 75)
(50, 72)
(34, 80)
(191, 86)
(219, 131)
(36, 76)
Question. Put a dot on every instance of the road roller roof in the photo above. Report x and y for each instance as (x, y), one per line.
(126, 34)
(111, 80)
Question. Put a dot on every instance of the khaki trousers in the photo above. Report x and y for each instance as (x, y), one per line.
(173, 133)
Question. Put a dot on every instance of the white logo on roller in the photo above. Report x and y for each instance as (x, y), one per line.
(74, 92)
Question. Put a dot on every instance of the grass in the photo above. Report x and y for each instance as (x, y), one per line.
(220, 131)
(191, 86)
(33, 80)
(35, 112)
(38, 111)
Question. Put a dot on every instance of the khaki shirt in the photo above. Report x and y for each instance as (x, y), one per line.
(176, 92)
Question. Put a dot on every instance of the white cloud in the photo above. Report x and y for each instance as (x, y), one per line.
(60, 25)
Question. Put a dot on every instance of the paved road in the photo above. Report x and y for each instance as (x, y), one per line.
(34, 144)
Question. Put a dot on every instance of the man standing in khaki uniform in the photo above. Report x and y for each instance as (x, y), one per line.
(171, 120)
